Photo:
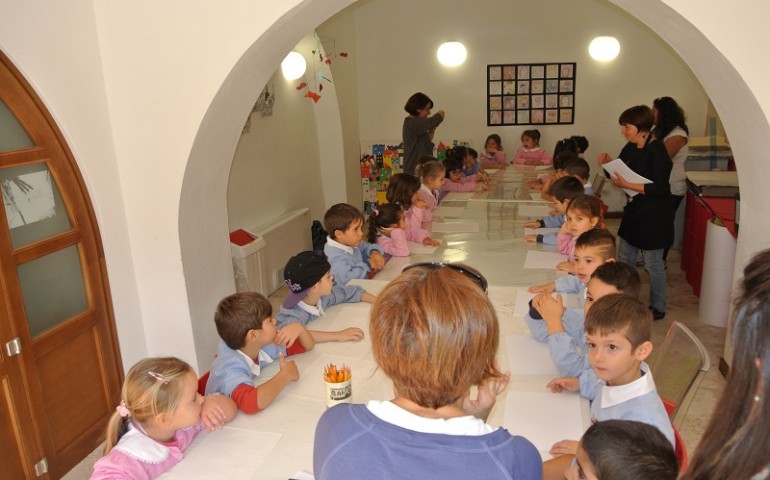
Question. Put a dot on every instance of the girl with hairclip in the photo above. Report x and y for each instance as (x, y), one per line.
(159, 414)
(386, 229)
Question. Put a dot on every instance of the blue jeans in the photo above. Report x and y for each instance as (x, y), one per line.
(653, 263)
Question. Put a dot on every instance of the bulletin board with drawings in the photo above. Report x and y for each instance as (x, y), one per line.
(531, 94)
(380, 161)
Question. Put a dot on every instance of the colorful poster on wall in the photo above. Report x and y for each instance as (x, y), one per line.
(531, 94)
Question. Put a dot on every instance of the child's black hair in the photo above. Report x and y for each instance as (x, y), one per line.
(383, 216)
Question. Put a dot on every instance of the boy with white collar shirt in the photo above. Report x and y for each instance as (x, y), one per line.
(618, 330)
(349, 256)
(310, 281)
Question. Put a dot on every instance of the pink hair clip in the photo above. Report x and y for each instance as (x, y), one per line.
(122, 410)
(160, 377)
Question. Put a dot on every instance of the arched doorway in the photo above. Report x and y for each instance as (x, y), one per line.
(60, 370)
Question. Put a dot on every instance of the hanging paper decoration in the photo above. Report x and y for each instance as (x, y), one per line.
(315, 85)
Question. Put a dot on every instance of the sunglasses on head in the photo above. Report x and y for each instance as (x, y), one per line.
(477, 278)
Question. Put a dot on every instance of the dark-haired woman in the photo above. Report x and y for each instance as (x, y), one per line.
(418, 129)
(648, 221)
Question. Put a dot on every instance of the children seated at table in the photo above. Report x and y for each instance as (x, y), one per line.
(623, 449)
(583, 214)
(349, 257)
(312, 288)
(386, 229)
(582, 144)
(580, 169)
(560, 193)
(592, 249)
(250, 341)
(435, 334)
(158, 417)
(493, 155)
(618, 330)
(530, 152)
(432, 174)
(455, 182)
(472, 165)
(563, 329)
(404, 189)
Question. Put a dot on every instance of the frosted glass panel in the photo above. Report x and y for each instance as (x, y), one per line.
(12, 134)
(33, 207)
(52, 288)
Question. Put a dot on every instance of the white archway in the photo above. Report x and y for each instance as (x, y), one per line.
(203, 205)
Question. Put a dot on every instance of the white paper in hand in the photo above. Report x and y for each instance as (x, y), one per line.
(617, 166)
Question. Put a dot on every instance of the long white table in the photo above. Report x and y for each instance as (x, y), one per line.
(278, 442)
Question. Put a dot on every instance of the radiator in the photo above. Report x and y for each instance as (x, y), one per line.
(285, 237)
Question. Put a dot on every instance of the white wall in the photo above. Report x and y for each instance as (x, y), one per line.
(155, 113)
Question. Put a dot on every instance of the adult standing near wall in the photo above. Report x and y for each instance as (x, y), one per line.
(671, 129)
(648, 221)
(736, 443)
(418, 130)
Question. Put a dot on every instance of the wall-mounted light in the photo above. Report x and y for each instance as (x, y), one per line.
(293, 66)
(604, 49)
(452, 54)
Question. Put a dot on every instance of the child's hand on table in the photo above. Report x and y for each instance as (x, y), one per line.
(376, 261)
(530, 238)
(430, 242)
(565, 267)
(212, 413)
(288, 334)
(354, 334)
(564, 447)
(532, 224)
(569, 384)
(545, 288)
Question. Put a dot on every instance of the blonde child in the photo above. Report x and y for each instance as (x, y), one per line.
(160, 413)
(310, 281)
(455, 182)
(530, 152)
(386, 229)
(435, 334)
(618, 330)
(583, 214)
(404, 190)
(432, 174)
(560, 193)
(250, 341)
(349, 257)
(493, 155)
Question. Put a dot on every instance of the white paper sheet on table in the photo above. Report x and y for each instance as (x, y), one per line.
(538, 211)
(544, 418)
(617, 166)
(460, 196)
(527, 356)
(311, 383)
(540, 231)
(444, 211)
(537, 259)
(456, 227)
(490, 170)
(543, 167)
(536, 196)
(229, 453)
(302, 475)
(420, 249)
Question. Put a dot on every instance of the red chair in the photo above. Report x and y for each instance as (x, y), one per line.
(680, 450)
(202, 383)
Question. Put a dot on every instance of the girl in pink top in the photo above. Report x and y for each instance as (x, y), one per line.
(456, 182)
(583, 214)
(493, 155)
(386, 229)
(433, 175)
(404, 191)
(160, 413)
(530, 152)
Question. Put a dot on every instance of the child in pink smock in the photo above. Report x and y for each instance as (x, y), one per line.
(530, 152)
(493, 155)
(583, 214)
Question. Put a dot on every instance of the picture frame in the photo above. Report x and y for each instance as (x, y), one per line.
(531, 93)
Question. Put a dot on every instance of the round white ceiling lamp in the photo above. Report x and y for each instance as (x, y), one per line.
(604, 49)
(293, 66)
(452, 54)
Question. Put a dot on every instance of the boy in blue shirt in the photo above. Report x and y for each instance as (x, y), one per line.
(560, 193)
(618, 330)
(349, 256)
(250, 341)
(310, 282)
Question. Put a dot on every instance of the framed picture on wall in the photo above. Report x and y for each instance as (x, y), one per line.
(531, 93)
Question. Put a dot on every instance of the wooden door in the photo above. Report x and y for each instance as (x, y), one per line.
(60, 370)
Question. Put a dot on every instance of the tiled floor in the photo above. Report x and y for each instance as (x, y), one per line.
(682, 306)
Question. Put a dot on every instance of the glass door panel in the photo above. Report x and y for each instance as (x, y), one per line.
(12, 134)
(52, 289)
(33, 206)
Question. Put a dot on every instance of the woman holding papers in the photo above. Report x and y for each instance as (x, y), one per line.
(648, 220)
